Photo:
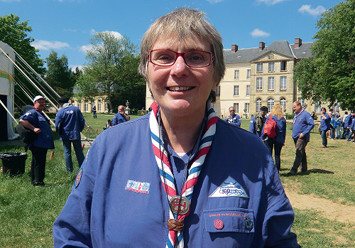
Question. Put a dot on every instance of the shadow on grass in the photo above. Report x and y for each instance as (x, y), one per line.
(311, 171)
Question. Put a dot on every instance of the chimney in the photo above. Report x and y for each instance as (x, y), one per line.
(234, 48)
(298, 42)
(261, 45)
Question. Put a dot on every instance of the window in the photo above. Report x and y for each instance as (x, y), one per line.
(283, 83)
(301, 101)
(246, 108)
(283, 104)
(283, 65)
(248, 90)
(271, 67)
(259, 67)
(86, 106)
(248, 73)
(106, 107)
(99, 106)
(236, 74)
(236, 107)
(236, 90)
(258, 104)
(270, 84)
(259, 83)
(270, 104)
(218, 91)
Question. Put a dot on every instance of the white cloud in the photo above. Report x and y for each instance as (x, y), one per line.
(215, 1)
(85, 48)
(80, 67)
(271, 2)
(117, 35)
(314, 12)
(47, 45)
(259, 33)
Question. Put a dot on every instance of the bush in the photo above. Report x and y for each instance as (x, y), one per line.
(290, 116)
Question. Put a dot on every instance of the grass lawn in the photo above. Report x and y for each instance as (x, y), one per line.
(27, 213)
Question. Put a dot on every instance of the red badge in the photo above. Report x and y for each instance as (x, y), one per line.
(78, 178)
(218, 224)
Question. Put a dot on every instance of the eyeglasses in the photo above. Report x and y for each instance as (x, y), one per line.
(193, 59)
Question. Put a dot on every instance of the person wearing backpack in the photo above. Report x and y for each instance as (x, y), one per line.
(260, 121)
(274, 133)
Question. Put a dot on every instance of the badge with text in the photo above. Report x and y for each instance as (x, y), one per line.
(139, 187)
(179, 205)
(229, 188)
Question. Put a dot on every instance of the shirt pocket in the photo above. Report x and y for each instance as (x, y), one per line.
(230, 227)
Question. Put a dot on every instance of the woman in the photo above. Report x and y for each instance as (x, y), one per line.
(277, 142)
(168, 178)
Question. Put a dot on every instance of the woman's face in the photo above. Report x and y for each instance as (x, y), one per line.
(180, 89)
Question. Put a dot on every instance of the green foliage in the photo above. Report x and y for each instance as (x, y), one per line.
(330, 76)
(15, 34)
(112, 71)
(59, 75)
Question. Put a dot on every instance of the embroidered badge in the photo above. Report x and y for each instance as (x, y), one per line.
(139, 187)
(78, 178)
(229, 188)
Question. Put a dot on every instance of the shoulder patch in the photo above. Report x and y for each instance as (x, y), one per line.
(78, 178)
(229, 188)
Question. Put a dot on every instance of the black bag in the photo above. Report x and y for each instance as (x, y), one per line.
(27, 135)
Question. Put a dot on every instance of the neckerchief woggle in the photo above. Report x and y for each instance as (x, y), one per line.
(175, 238)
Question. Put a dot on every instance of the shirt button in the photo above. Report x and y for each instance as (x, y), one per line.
(218, 224)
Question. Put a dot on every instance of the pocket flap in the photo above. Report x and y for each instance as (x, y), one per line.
(225, 220)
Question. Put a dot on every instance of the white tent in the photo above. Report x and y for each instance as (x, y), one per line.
(6, 93)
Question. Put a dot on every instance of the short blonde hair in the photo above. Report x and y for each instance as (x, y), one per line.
(277, 110)
(185, 24)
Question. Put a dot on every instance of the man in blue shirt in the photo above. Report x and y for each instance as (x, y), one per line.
(233, 118)
(36, 121)
(120, 117)
(69, 122)
(324, 126)
(351, 126)
(252, 128)
(302, 126)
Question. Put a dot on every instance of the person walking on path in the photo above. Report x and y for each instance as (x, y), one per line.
(260, 120)
(36, 121)
(277, 142)
(324, 126)
(94, 112)
(69, 122)
(302, 126)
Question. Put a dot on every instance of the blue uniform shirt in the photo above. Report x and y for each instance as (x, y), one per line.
(117, 119)
(235, 120)
(45, 138)
(325, 123)
(118, 199)
(252, 125)
(69, 121)
(302, 123)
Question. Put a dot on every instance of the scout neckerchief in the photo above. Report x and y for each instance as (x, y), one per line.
(179, 205)
(296, 115)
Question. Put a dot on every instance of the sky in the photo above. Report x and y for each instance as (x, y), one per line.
(66, 26)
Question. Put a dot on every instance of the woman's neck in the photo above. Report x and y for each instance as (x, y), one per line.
(182, 132)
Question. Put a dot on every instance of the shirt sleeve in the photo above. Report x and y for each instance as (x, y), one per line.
(310, 124)
(72, 227)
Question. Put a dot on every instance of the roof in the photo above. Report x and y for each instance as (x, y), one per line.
(281, 47)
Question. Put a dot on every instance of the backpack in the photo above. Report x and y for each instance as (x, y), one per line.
(270, 127)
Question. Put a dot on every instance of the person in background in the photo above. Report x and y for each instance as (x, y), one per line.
(278, 142)
(337, 125)
(109, 123)
(120, 117)
(94, 112)
(252, 128)
(233, 118)
(260, 120)
(69, 122)
(167, 179)
(36, 121)
(351, 126)
(345, 124)
(332, 126)
(324, 126)
(303, 123)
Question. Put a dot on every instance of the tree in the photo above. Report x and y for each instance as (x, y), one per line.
(59, 75)
(15, 34)
(112, 67)
(330, 75)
